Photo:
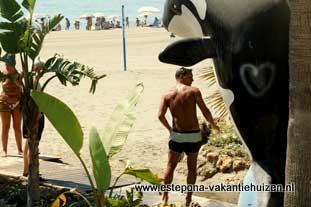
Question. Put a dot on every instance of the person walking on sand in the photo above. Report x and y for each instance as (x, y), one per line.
(185, 135)
(67, 23)
(137, 22)
(127, 22)
(10, 104)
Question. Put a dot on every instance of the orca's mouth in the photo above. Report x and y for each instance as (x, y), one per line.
(185, 24)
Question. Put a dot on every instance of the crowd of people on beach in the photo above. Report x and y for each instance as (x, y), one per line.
(102, 23)
(143, 23)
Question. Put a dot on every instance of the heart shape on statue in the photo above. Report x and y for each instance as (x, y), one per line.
(257, 80)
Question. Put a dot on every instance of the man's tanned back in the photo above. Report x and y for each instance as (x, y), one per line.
(181, 100)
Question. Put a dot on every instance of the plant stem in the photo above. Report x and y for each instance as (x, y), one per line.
(88, 175)
(124, 185)
(47, 81)
(82, 196)
(25, 72)
(28, 77)
(115, 182)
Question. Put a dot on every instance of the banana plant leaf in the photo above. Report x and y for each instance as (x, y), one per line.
(144, 174)
(67, 71)
(29, 5)
(39, 35)
(62, 118)
(100, 163)
(121, 121)
(10, 10)
(12, 36)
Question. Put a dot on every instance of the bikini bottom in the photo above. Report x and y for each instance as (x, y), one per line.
(6, 107)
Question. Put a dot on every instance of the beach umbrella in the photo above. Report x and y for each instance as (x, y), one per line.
(114, 16)
(144, 14)
(38, 15)
(99, 14)
(149, 9)
(84, 16)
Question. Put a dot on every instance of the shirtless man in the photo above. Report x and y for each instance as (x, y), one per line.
(185, 133)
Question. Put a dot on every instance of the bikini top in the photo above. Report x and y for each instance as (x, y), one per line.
(11, 90)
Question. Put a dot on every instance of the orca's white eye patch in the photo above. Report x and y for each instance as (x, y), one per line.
(185, 25)
(201, 7)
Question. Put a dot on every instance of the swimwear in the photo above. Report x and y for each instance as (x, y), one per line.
(185, 141)
(6, 107)
(11, 94)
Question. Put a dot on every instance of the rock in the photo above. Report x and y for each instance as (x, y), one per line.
(249, 163)
(212, 156)
(207, 171)
(206, 149)
(238, 164)
(224, 163)
(201, 163)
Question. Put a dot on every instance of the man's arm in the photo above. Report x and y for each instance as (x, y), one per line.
(161, 114)
(205, 111)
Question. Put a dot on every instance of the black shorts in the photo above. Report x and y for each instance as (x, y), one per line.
(187, 147)
(40, 128)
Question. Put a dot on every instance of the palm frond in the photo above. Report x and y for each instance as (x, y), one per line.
(207, 74)
(67, 71)
(216, 102)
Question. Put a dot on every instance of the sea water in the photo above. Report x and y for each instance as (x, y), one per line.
(73, 9)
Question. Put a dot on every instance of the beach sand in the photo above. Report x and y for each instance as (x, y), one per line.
(146, 146)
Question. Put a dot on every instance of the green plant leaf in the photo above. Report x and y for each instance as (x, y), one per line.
(67, 71)
(11, 36)
(118, 202)
(52, 22)
(62, 118)
(121, 121)
(10, 10)
(39, 35)
(29, 5)
(101, 167)
(144, 174)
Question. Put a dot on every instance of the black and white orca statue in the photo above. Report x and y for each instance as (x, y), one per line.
(248, 42)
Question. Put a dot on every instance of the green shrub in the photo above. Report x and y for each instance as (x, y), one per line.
(229, 141)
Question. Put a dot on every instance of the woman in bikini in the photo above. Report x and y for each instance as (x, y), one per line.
(10, 105)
